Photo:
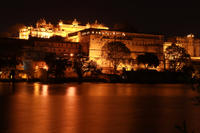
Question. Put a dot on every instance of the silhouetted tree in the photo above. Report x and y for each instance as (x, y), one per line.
(177, 57)
(148, 59)
(78, 66)
(56, 65)
(10, 55)
(83, 65)
(90, 66)
(9, 63)
(116, 53)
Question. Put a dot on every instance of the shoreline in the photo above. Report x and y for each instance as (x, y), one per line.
(97, 81)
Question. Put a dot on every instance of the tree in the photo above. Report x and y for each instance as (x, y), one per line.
(177, 57)
(10, 62)
(116, 52)
(10, 55)
(148, 59)
(56, 65)
(83, 65)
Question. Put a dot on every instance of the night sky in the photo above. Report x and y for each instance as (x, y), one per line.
(158, 17)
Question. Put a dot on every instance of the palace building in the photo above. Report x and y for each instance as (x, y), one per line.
(92, 37)
(47, 30)
(71, 41)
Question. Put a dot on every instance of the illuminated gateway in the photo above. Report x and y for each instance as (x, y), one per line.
(47, 30)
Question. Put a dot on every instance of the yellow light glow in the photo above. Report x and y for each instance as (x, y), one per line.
(71, 91)
(36, 67)
(24, 76)
(195, 58)
(44, 30)
(71, 55)
(45, 90)
(36, 89)
(45, 67)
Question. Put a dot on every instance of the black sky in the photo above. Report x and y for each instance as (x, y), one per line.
(159, 17)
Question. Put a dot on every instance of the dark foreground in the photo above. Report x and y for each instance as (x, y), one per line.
(96, 108)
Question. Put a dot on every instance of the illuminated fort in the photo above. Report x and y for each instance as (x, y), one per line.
(47, 30)
(137, 43)
(91, 38)
(71, 41)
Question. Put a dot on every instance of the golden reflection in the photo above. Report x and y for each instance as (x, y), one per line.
(71, 110)
(127, 91)
(40, 89)
(36, 89)
(98, 91)
(45, 90)
(71, 91)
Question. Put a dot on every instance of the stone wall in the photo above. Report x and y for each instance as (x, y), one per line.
(137, 43)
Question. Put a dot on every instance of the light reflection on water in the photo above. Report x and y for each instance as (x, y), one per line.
(44, 90)
(96, 107)
(36, 89)
(71, 91)
(40, 89)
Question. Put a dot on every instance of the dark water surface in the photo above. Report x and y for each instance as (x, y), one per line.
(96, 108)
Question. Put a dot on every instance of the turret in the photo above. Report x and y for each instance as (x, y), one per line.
(75, 22)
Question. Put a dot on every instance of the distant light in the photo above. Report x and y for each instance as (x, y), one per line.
(45, 67)
(60, 23)
(36, 67)
(71, 54)
(190, 36)
(24, 76)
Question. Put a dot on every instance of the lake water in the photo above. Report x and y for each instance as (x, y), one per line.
(97, 108)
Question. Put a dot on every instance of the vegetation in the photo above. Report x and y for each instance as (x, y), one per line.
(177, 57)
(116, 53)
(10, 56)
(148, 59)
(83, 65)
(56, 66)
(10, 63)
